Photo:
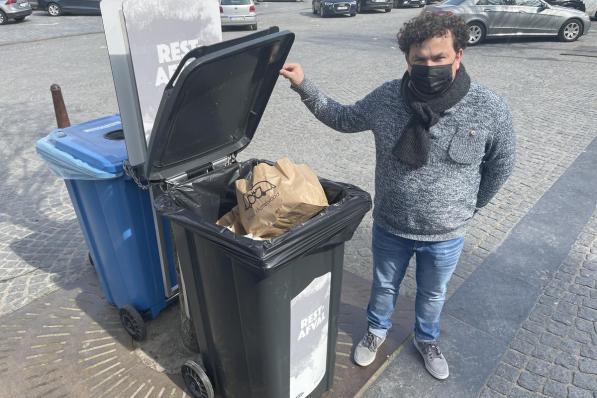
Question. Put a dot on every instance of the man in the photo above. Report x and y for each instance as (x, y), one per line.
(444, 147)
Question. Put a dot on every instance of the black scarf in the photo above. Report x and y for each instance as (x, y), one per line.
(415, 142)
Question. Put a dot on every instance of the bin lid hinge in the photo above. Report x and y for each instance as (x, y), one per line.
(228, 160)
(220, 163)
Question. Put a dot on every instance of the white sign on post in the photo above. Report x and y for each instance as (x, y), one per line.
(146, 40)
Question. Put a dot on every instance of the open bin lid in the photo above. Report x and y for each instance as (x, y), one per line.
(213, 104)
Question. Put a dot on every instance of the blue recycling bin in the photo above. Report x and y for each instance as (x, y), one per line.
(116, 218)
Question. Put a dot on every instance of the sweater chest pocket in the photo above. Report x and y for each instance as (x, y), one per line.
(467, 146)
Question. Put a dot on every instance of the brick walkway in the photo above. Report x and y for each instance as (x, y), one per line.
(554, 354)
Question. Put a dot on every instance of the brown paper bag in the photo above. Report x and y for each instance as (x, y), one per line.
(278, 197)
(231, 220)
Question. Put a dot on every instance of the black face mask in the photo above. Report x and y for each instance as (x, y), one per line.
(430, 81)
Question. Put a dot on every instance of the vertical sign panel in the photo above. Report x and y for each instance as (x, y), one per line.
(160, 33)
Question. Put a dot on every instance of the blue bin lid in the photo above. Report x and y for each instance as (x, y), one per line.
(98, 143)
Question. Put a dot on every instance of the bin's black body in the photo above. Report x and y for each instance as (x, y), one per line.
(242, 319)
(240, 290)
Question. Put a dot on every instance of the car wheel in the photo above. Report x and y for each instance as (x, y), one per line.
(54, 9)
(352, 14)
(388, 10)
(422, 4)
(254, 27)
(570, 31)
(3, 19)
(476, 33)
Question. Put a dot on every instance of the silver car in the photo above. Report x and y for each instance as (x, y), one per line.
(497, 18)
(238, 13)
(14, 9)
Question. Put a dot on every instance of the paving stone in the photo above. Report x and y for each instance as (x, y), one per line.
(507, 372)
(521, 346)
(515, 358)
(551, 340)
(531, 381)
(548, 300)
(518, 392)
(584, 281)
(534, 327)
(538, 367)
(545, 353)
(564, 277)
(555, 389)
(557, 328)
(566, 360)
(489, 393)
(580, 336)
(588, 366)
(561, 374)
(580, 290)
(499, 384)
(570, 346)
(563, 317)
(527, 336)
(588, 351)
(575, 392)
(584, 325)
(568, 308)
(588, 313)
(586, 381)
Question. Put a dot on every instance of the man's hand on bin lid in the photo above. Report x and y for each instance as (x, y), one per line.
(294, 73)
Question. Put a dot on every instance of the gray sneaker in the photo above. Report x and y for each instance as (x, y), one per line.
(364, 353)
(435, 362)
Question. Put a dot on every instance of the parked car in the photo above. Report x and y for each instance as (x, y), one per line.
(497, 18)
(80, 7)
(14, 9)
(238, 13)
(364, 5)
(334, 7)
(576, 4)
(591, 8)
(409, 3)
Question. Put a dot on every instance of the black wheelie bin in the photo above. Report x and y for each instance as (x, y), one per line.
(264, 311)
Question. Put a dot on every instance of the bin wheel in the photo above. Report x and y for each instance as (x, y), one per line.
(196, 380)
(133, 322)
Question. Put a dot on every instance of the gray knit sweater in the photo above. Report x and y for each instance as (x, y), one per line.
(472, 154)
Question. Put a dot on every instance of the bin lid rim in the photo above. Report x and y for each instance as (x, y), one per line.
(212, 106)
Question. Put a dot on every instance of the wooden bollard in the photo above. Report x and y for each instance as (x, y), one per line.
(59, 108)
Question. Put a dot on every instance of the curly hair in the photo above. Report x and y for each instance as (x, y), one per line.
(428, 25)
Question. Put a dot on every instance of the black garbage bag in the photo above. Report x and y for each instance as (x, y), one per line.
(200, 202)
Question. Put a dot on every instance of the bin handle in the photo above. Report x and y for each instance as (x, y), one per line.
(204, 50)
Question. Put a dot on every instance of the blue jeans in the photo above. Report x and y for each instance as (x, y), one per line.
(436, 262)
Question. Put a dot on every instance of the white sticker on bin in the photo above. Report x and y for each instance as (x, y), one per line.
(309, 321)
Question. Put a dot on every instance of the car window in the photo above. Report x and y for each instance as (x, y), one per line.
(492, 2)
(453, 2)
(234, 2)
(527, 3)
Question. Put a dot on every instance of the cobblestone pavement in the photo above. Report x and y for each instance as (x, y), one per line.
(554, 354)
(553, 99)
